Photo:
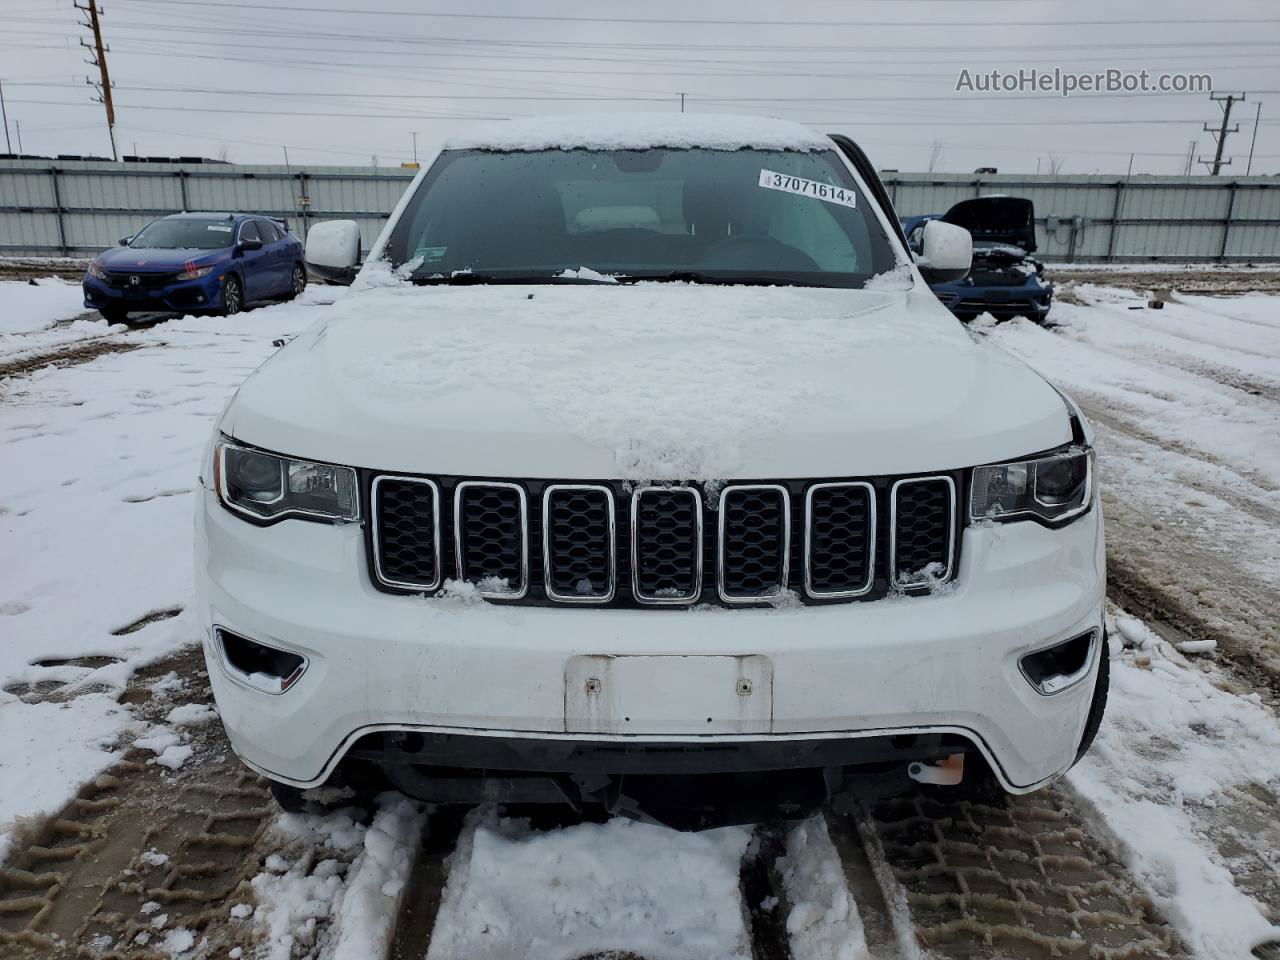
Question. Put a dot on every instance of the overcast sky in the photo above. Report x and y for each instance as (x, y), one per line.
(342, 81)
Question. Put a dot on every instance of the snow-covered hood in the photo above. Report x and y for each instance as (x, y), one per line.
(645, 381)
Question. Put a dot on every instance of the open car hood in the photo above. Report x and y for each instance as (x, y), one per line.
(997, 220)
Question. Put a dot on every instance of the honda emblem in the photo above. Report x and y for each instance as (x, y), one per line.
(134, 280)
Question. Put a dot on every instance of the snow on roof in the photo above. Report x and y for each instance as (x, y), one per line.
(637, 131)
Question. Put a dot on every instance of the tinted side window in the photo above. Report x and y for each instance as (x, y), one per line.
(249, 231)
(267, 230)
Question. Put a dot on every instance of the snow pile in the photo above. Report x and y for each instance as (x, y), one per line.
(376, 883)
(619, 886)
(335, 888)
(26, 307)
(823, 923)
(1169, 757)
(191, 715)
(638, 131)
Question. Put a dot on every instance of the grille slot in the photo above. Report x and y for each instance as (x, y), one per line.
(666, 545)
(840, 540)
(406, 532)
(579, 543)
(491, 536)
(922, 520)
(146, 281)
(755, 542)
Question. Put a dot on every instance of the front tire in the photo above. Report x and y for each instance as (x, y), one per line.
(289, 799)
(297, 282)
(232, 296)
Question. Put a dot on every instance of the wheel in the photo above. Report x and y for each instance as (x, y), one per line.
(232, 295)
(114, 315)
(290, 799)
(297, 281)
(1099, 705)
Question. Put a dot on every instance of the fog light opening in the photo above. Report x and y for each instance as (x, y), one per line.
(261, 667)
(1063, 665)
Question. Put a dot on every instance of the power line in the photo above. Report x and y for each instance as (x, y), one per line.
(578, 18)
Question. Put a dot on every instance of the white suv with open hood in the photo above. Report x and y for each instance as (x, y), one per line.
(639, 460)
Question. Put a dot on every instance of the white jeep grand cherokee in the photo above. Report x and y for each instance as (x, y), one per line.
(640, 460)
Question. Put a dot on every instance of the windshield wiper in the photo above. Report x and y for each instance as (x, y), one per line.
(695, 276)
(471, 278)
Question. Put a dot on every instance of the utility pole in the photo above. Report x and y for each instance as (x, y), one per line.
(18, 126)
(1257, 115)
(99, 60)
(1220, 135)
(682, 103)
(8, 147)
(415, 148)
(1191, 158)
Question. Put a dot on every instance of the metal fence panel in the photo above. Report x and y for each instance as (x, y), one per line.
(1100, 218)
(80, 207)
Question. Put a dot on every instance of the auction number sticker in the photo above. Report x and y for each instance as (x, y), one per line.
(807, 188)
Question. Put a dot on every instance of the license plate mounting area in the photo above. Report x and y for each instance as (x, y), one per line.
(671, 695)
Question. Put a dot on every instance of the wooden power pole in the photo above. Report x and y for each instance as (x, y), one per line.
(1220, 135)
(99, 60)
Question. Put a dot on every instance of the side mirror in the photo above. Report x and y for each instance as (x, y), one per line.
(124, 241)
(333, 250)
(247, 245)
(946, 252)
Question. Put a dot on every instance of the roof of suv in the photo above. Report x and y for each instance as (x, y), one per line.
(640, 131)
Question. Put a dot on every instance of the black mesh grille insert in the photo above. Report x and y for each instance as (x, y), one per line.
(922, 530)
(406, 534)
(754, 544)
(666, 544)
(490, 535)
(579, 554)
(840, 539)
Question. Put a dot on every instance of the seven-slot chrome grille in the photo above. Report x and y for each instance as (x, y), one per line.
(615, 543)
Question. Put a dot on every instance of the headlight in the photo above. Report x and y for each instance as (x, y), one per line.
(1053, 488)
(96, 271)
(195, 273)
(267, 487)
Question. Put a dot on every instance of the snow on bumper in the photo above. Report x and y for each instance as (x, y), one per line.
(947, 662)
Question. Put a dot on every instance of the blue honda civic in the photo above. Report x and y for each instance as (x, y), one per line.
(196, 262)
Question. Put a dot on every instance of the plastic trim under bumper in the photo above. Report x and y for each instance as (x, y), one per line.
(978, 743)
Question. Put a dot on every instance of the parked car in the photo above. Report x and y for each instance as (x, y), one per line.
(641, 463)
(1005, 280)
(197, 262)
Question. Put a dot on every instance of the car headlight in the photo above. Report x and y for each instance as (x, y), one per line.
(96, 271)
(266, 487)
(1053, 489)
(195, 273)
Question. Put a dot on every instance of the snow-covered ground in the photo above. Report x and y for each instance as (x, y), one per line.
(100, 460)
(95, 506)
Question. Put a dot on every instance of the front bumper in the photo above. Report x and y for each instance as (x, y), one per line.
(945, 664)
(202, 294)
(1030, 300)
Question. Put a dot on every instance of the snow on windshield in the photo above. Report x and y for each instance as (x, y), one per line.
(639, 131)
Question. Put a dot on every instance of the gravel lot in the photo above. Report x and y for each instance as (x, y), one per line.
(135, 833)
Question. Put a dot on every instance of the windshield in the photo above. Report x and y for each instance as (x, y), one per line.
(774, 216)
(184, 235)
